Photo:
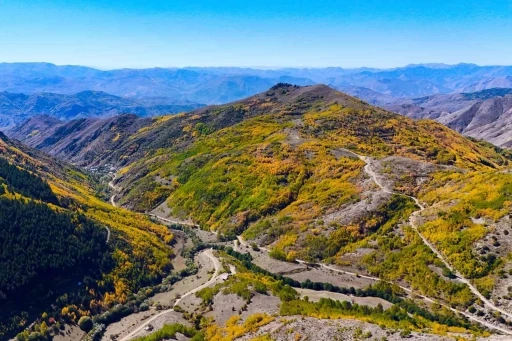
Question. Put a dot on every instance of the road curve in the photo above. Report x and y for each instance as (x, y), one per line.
(114, 188)
(412, 220)
(424, 298)
(174, 221)
(216, 264)
(108, 234)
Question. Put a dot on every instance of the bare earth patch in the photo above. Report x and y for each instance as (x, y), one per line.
(71, 333)
(304, 328)
(130, 322)
(315, 296)
(225, 306)
(262, 304)
(335, 278)
(189, 283)
(263, 260)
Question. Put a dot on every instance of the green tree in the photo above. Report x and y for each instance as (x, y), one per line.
(85, 323)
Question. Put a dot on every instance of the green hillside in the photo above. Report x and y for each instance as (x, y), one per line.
(62, 247)
(282, 168)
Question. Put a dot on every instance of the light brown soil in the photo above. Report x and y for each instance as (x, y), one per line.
(187, 284)
(225, 306)
(191, 303)
(263, 260)
(298, 328)
(71, 333)
(178, 262)
(335, 278)
(262, 304)
(130, 322)
(498, 241)
(301, 272)
(315, 296)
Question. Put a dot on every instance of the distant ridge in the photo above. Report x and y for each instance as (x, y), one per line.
(485, 114)
(217, 85)
(17, 107)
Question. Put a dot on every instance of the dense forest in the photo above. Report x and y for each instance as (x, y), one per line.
(26, 183)
(47, 244)
(45, 250)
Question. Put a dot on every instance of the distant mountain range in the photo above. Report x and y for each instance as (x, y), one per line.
(221, 85)
(469, 98)
(484, 114)
(17, 107)
(173, 84)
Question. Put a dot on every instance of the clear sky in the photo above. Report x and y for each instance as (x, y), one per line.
(276, 33)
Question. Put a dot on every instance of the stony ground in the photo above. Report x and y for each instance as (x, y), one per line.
(203, 275)
(301, 272)
(498, 241)
(296, 328)
(315, 296)
(225, 306)
(182, 242)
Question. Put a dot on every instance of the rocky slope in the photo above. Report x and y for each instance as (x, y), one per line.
(482, 115)
(288, 169)
(85, 142)
(314, 176)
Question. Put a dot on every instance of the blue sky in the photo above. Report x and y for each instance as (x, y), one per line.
(275, 33)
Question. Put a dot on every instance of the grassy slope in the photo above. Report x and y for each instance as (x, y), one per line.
(254, 175)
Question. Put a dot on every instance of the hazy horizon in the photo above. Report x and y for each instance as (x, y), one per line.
(427, 64)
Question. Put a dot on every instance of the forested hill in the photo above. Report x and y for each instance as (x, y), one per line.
(302, 171)
(42, 243)
(293, 129)
(58, 241)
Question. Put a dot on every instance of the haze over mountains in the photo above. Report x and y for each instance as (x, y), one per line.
(433, 91)
(222, 85)
(485, 114)
(17, 107)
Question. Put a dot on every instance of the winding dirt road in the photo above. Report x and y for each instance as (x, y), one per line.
(216, 264)
(174, 221)
(114, 188)
(414, 225)
(376, 279)
(412, 219)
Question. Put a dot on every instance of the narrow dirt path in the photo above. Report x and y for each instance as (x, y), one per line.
(412, 219)
(108, 234)
(414, 225)
(216, 264)
(410, 291)
(376, 279)
(174, 221)
(114, 188)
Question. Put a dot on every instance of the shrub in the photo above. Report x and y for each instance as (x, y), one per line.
(85, 323)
